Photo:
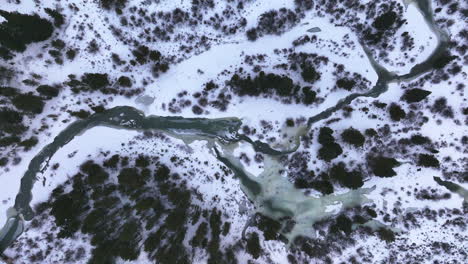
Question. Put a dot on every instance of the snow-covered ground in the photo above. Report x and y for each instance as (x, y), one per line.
(224, 54)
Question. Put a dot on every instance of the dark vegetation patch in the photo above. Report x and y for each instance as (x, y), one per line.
(80, 114)
(9, 140)
(396, 113)
(349, 179)
(148, 209)
(20, 30)
(385, 20)
(378, 27)
(353, 136)
(330, 149)
(263, 84)
(345, 83)
(59, 19)
(441, 107)
(415, 95)
(420, 140)
(101, 82)
(443, 61)
(125, 81)
(253, 245)
(432, 194)
(273, 22)
(296, 85)
(29, 143)
(95, 81)
(386, 234)
(427, 160)
(9, 117)
(338, 234)
(29, 103)
(383, 166)
(304, 178)
(109, 4)
(47, 90)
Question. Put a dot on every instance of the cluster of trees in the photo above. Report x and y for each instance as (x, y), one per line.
(149, 208)
(321, 183)
(20, 30)
(379, 32)
(396, 112)
(11, 118)
(268, 84)
(273, 22)
(349, 179)
(353, 137)
(108, 4)
(145, 55)
(330, 149)
(93, 82)
(345, 83)
(383, 166)
(441, 107)
(29, 103)
(387, 21)
(338, 172)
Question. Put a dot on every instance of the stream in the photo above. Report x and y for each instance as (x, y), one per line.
(270, 192)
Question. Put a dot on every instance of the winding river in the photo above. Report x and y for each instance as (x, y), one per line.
(271, 193)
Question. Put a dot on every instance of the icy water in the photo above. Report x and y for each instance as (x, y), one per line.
(270, 192)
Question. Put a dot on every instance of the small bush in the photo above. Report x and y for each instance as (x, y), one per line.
(345, 83)
(427, 160)
(330, 151)
(419, 140)
(253, 245)
(124, 81)
(353, 137)
(343, 223)
(252, 34)
(396, 113)
(142, 161)
(309, 74)
(108, 4)
(383, 166)
(80, 114)
(386, 235)
(325, 136)
(29, 143)
(112, 162)
(309, 95)
(47, 90)
(415, 95)
(95, 80)
(3, 161)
